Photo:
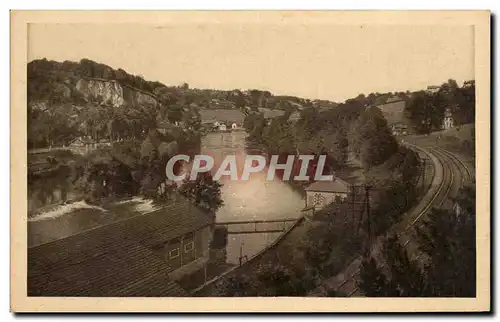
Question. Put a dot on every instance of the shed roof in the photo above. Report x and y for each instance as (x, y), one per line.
(337, 185)
(115, 259)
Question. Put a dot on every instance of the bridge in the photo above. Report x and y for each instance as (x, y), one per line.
(256, 226)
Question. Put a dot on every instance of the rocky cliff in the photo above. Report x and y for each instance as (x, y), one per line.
(112, 93)
(70, 99)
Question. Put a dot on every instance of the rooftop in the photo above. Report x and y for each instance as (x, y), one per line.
(337, 185)
(393, 111)
(115, 259)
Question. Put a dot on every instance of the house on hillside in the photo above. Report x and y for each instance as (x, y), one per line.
(82, 145)
(321, 193)
(432, 89)
(103, 143)
(394, 113)
(448, 121)
(399, 128)
(469, 83)
(140, 256)
(82, 141)
(164, 127)
(294, 117)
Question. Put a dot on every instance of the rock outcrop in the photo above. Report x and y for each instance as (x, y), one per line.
(112, 93)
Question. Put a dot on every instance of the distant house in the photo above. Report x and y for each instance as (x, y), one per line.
(139, 256)
(394, 113)
(223, 115)
(448, 121)
(164, 127)
(270, 114)
(222, 127)
(399, 128)
(82, 145)
(432, 89)
(82, 141)
(321, 193)
(294, 117)
(103, 143)
(469, 83)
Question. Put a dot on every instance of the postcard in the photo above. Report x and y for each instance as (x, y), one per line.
(250, 161)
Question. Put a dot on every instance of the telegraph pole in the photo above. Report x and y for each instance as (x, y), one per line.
(423, 174)
(368, 219)
(352, 206)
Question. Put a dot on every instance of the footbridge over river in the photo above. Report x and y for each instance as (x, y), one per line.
(257, 226)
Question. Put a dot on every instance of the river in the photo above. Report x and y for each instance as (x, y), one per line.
(255, 199)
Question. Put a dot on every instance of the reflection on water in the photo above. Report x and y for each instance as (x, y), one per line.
(255, 199)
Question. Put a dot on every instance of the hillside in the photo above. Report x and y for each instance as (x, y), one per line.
(67, 100)
(71, 99)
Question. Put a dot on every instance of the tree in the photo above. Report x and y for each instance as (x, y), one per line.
(373, 282)
(204, 192)
(448, 240)
(372, 140)
(233, 286)
(446, 243)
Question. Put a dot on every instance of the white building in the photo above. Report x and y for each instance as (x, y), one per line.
(321, 193)
(222, 127)
(432, 89)
(448, 122)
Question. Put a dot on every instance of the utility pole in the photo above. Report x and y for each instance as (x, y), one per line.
(352, 205)
(360, 220)
(423, 174)
(368, 219)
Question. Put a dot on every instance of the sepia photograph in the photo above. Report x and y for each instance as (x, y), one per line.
(271, 156)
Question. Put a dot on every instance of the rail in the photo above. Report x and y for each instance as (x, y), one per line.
(449, 158)
(432, 193)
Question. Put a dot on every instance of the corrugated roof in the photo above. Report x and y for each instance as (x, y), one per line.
(115, 259)
(337, 185)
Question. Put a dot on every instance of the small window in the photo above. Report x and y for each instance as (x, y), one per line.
(188, 247)
(174, 253)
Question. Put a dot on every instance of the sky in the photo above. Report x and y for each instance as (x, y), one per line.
(334, 62)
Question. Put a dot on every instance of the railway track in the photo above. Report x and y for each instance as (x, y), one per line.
(459, 164)
(451, 173)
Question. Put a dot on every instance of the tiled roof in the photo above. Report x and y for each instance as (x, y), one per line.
(115, 259)
(337, 185)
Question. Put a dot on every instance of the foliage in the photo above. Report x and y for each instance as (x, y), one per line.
(58, 110)
(268, 280)
(372, 140)
(373, 281)
(446, 243)
(448, 239)
(204, 192)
